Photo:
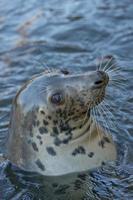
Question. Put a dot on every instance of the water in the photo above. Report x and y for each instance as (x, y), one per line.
(69, 34)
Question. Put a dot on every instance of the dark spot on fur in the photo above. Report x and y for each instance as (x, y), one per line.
(101, 143)
(40, 165)
(75, 118)
(35, 116)
(66, 140)
(71, 113)
(61, 189)
(57, 141)
(37, 123)
(81, 126)
(53, 134)
(91, 154)
(42, 112)
(59, 112)
(68, 132)
(88, 114)
(55, 122)
(41, 142)
(55, 130)
(45, 122)
(102, 163)
(39, 137)
(78, 184)
(34, 123)
(82, 176)
(29, 141)
(34, 146)
(73, 128)
(81, 104)
(79, 150)
(51, 151)
(63, 126)
(49, 117)
(31, 134)
(43, 130)
(106, 139)
(55, 185)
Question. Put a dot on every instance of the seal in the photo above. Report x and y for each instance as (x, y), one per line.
(51, 129)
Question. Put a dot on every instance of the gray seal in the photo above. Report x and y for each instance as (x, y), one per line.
(51, 129)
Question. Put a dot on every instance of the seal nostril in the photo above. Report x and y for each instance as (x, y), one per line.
(98, 82)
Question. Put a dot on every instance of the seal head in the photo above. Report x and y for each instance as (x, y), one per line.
(51, 131)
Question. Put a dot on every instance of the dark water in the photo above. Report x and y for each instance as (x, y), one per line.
(70, 34)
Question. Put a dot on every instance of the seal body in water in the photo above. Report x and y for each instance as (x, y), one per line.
(51, 129)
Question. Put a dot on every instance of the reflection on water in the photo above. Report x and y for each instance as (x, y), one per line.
(109, 182)
(69, 34)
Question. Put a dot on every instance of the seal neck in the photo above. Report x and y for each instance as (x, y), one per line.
(65, 131)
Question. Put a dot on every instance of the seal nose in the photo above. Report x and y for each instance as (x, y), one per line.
(102, 79)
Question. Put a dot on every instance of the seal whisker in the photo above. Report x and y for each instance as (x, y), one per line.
(90, 118)
(39, 63)
(107, 64)
(44, 89)
(97, 67)
(109, 122)
(96, 123)
(101, 114)
(113, 74)
(107, 110)
(86, 116)
(118, 86)
(107, 98)
(119, 82)
(112, 64)
(100, 66)
(104, 103)
(43, 65)
(117, 77)
(118, 74)
(110, 67)
(113, 70)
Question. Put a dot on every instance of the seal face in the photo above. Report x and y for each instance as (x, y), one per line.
(51, 130)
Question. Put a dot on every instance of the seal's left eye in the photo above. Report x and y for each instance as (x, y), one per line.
(57, 98)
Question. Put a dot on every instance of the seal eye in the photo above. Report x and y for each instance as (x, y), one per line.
(57, 98)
